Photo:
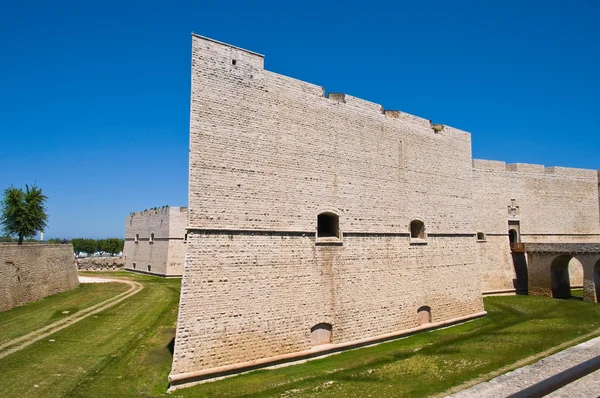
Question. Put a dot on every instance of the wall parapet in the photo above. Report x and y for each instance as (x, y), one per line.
(529, 168)
(157, 210)
(257, 61)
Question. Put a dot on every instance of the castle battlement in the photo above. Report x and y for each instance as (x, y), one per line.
(157, 211)
(229, 56)
(528, 168)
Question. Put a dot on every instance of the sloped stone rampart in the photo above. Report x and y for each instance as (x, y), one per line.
(30, 272)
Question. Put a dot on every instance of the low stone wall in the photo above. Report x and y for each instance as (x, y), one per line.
(32, 271)
(100, 264)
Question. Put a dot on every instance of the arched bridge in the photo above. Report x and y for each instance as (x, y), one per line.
(548, 272)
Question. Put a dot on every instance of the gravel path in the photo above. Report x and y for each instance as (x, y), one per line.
(19, 343)
(515, 381)
(97, 279)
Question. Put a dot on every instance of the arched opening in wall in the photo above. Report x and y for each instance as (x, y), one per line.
(152, 237)
(149, 267)
(320, 334)
(597, 280)
(417, 229)
(133, 265)
(576, 275)
(328, 225)
(560, 280)
(137, 238)
(424, 315)
(513, 236)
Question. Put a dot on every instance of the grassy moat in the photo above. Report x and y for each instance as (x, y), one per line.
(126, 350)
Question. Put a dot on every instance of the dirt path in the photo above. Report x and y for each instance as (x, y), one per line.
(19, 343)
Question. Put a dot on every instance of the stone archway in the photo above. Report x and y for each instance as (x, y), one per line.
(548, 269)
(559, 272)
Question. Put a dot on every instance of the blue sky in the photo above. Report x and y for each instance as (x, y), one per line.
(94, 96)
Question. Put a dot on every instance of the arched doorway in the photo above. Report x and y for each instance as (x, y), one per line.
(513, 236)
(559, 271)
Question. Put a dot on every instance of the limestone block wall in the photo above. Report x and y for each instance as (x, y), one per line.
(100, 264)
(550, 204)
(260, 296)
(162, 254)
(268, 153)
(33, 271)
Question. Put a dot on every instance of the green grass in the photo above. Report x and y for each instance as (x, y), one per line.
(577, 293)
(27, 318)
(126, 352)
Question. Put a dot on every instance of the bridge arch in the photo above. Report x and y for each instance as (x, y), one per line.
(548, 269)
(559, 272)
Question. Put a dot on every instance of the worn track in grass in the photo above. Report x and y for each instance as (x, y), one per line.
(21, 342)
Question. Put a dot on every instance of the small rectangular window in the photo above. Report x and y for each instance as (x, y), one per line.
(137, 238)
(152, 237)
(481, 237)
(328, 229)
(418, 234)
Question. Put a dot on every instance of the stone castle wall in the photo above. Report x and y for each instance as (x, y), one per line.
(267, 155)
(162, 255)
(31, 272)
(100, 264)
(550, 204)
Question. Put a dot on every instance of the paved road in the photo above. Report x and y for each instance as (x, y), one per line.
(515, 381)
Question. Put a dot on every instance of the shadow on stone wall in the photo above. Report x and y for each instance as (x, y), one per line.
(521, 282)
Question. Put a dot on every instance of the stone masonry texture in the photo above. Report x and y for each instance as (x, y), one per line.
(31, 272)
(268, 153)
(165, 254)
(549, 204)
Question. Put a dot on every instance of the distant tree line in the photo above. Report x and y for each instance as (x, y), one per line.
(89, 246)
(111, 246)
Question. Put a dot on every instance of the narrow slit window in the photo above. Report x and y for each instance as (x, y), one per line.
(152, 237)
(137, 238)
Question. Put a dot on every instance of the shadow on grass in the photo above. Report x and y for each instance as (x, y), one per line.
(171, 346)
(492, 332)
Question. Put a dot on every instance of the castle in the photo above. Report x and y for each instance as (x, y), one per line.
(155, 241)
(324, 222)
